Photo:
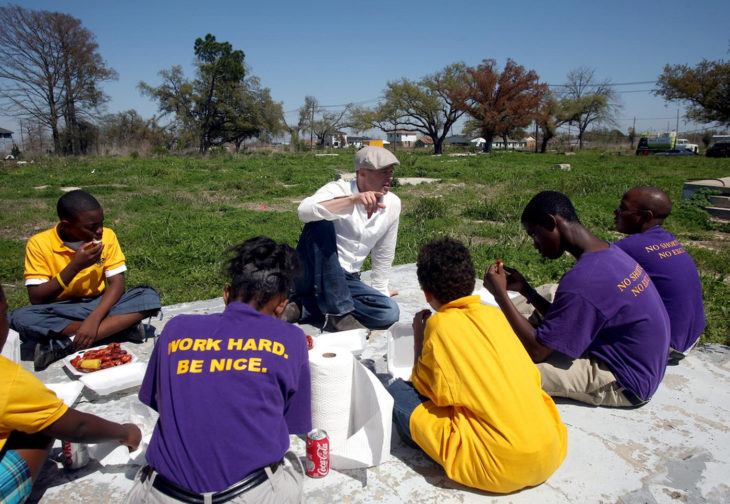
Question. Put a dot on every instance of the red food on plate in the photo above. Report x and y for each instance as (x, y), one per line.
(110, 356)
(310, 342)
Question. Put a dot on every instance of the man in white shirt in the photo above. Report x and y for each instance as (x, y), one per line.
(344, 222)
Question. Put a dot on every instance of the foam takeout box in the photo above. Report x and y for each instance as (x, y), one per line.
(352, 340)
(400, 350)
(109, 380)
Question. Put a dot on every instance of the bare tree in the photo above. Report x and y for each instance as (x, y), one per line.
(586, 100)
(50, 69)
(319, 121)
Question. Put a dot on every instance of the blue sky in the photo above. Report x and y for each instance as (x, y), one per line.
(342, 52)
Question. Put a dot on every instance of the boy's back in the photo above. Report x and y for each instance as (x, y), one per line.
(486, 401)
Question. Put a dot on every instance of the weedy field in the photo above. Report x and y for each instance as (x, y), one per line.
(176, 216)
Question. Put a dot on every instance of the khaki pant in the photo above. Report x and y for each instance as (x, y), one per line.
(587, 380)
(283, 486)
(527, 310)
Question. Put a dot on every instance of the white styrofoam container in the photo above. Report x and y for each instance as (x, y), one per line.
(487, 299)
(352, 340)
(11, 349)
(108, 381)
(400, 350)
(67, 391)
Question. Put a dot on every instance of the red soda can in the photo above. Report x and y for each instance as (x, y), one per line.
(75, 455)
(318, 453)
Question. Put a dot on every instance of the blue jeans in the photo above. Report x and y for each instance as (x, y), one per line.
(38, 322)
(325, 288)
(405, 400)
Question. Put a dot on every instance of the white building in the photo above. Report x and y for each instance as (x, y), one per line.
(406, 137)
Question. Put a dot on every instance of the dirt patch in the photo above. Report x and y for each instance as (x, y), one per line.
(719, 241)
(266, 207)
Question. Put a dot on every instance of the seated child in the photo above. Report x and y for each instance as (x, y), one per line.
(31, 416)
(475, 404)
(230, 388)
(74, 273)
(640, 215)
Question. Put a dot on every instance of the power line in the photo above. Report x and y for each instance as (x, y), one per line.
(361, 102)
(609, 84)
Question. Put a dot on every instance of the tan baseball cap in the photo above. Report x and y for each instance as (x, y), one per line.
(374, 158)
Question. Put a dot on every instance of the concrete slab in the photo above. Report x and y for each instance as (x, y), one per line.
(674, 449)
(402, 180)
(718, 186)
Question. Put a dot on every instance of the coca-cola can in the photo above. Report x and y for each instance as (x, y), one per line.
(318, 453)
(75, 455)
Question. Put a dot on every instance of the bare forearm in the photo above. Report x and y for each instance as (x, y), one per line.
(48, 292)
(540, 304)
(111, 295)
(80, 427)
(523, 329)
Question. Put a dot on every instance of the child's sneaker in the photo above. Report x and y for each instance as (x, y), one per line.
(135, 334)
(47, 353)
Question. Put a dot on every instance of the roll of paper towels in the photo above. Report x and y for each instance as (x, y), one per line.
(331, 374)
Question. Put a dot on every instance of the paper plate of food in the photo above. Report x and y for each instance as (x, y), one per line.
(98, 359)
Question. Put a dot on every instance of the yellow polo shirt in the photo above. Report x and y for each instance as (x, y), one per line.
(46, 256)
(488, 421)
(26, 405)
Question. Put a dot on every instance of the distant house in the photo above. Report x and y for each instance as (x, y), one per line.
(6, 140)
(424, 141)
(336, 140)
(357, 141)
(405, 137)
(498, 143)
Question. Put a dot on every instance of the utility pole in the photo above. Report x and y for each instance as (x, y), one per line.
(677, 123)
(22, 140)
(633, 133)
(311, 128)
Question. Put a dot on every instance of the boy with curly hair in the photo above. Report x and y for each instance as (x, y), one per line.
(474, 385)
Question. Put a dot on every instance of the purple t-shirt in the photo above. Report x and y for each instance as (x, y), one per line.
(230, 387)
(675, 275)
(607, 306)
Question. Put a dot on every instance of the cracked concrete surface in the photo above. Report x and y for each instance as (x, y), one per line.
(674, 449)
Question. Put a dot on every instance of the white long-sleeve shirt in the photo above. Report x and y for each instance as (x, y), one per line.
(358, 236)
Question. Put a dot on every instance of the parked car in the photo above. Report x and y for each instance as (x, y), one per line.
(675, 152)
(719, 149)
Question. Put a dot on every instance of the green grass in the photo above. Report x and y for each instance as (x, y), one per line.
(176, 216)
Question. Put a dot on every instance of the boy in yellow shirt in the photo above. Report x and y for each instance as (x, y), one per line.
(475, 404)
(31, 416)
(74, 273)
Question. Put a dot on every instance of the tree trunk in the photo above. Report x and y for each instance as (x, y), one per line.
(72, 126)
(504, 138)
(488, 137)
(438, 145)
(543, 145)
(56, 138)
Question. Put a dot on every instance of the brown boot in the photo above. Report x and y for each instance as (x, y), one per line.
(291, 313)
(346, 322)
